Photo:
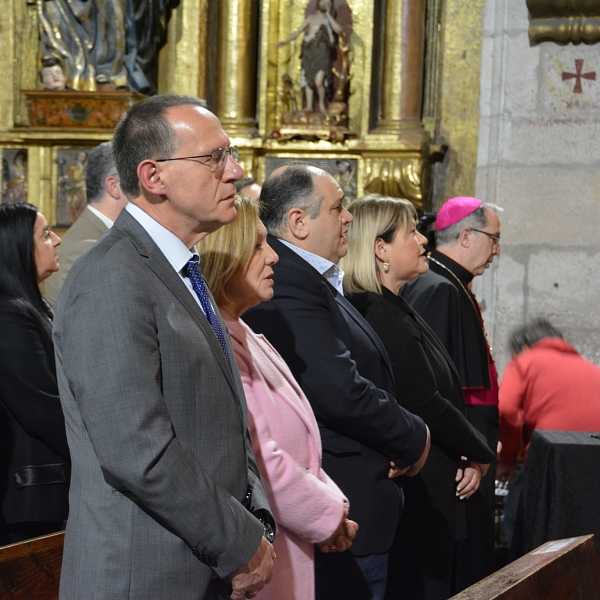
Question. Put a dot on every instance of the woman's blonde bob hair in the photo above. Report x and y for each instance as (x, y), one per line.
(227, 251)
(374, 217)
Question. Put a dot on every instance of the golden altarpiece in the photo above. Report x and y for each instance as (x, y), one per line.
(371, 135)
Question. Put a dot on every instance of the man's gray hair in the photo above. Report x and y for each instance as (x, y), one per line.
(145, 133)
(100, 165)
(292, 187)
(476, 220)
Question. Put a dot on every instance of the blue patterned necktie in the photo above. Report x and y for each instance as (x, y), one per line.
(193, 272)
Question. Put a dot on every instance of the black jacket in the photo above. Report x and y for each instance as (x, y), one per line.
(34, 455)
(344, 370)
(429, 386)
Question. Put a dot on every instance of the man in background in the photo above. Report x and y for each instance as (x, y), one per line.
(467, 234)
(104, 203)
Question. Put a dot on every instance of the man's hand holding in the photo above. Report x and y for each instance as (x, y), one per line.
(468, 477)
(248, 580)
(342, 537)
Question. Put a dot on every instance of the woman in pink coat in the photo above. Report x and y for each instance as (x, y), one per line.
(308, 507)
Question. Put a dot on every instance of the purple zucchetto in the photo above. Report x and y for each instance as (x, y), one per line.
(455, 210)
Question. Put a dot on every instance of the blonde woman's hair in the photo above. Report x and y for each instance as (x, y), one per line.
(227, 251)
(374, 217)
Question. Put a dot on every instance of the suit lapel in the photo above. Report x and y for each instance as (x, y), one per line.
(362, 323)
(161, 267)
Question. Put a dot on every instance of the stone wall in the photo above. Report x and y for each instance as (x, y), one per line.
(539, 158)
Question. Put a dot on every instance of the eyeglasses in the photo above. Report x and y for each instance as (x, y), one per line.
(218, 157)
(495, 237)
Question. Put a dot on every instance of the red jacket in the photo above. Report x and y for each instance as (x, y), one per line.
(549, 386)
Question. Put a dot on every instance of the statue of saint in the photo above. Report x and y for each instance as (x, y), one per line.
(52, 74)
(318, 51)
(15, 189)
(73, 185)
(106, 44)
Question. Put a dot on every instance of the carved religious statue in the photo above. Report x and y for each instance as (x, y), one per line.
(324, 76)
(105, 44)
(72, 185)
(318, 47)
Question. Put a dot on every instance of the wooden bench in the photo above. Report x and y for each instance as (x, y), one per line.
(30, 570)
(558, 570)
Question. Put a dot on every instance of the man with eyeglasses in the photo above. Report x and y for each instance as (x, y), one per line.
(467, 235)
(165, 500)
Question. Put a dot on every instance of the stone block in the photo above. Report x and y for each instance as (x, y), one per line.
(549, 205)
(520, 76)
(570, 82)
(509, 305)
(517, 16)
(564, 285)
(544, 141)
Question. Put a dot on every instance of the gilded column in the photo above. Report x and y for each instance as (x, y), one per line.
(402, 69)
(237, 67)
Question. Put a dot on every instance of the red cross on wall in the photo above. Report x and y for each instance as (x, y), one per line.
(578, 75)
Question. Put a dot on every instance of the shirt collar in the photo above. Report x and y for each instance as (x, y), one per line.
(169, 244)
(101, 216)
(332, 272)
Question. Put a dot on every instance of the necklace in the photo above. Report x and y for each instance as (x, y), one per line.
(463, 287)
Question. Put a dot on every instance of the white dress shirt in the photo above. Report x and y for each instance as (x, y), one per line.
(329, 270)
(168, 243)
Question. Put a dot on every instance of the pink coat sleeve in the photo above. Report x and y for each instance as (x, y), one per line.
(310, 506)
(511, 397)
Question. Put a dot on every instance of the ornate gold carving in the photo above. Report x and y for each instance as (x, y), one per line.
(182, 61)
(398, 178)
(564, 22)
(461, 40)
(94, 110)
(401, 79)
(237, 66)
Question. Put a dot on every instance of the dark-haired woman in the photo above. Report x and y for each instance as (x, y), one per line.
(385, 251)
(34, 455)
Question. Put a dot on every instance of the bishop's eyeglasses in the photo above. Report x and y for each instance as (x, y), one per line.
(218, 157)
(495, 237)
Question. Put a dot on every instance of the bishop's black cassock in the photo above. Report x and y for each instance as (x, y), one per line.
(442, 297)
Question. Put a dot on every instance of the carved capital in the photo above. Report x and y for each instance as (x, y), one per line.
(398, 178)
(564, 22)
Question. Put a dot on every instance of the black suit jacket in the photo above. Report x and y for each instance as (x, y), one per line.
(344, 371)
(34, 455)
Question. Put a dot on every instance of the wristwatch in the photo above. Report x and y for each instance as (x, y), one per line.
(268, 533)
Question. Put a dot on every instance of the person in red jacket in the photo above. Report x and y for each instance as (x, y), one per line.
(547, 385)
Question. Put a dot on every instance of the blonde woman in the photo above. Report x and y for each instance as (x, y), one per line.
(385, 251)
(308, 507)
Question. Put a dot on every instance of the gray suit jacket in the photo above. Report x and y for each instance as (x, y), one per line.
(156, 424)
(78, 239)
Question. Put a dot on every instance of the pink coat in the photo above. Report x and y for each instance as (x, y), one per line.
(306, 503)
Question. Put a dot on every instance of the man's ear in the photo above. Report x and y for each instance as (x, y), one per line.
(148, 173)
(298, 223)
(466, 237)
(380, 250)
(113, 187)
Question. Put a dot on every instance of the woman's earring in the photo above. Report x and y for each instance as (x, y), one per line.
(386, 264)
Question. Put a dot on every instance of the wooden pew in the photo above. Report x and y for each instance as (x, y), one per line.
(30, 570)
(557, 570)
